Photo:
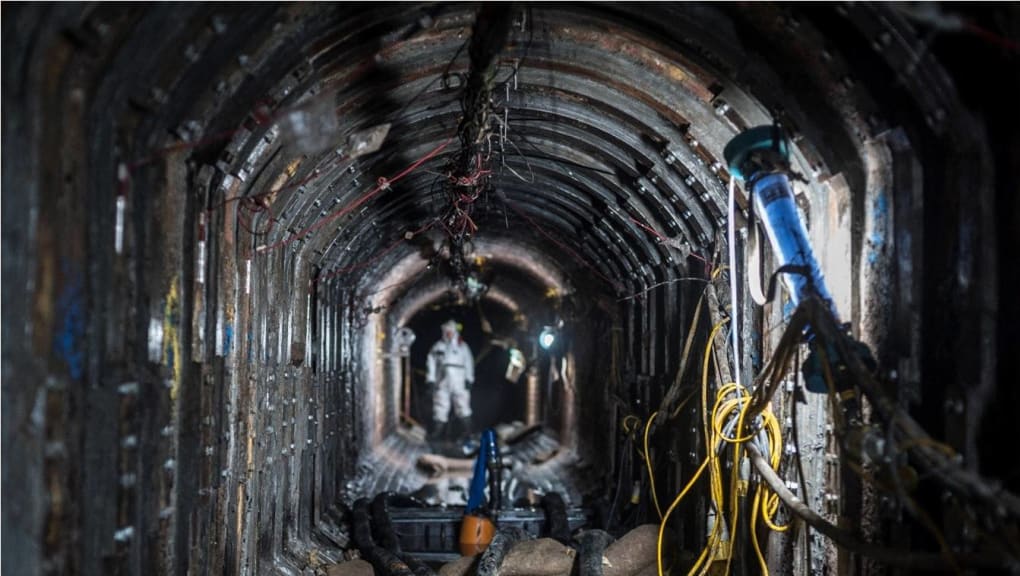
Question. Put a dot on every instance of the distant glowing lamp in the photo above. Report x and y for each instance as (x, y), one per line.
(547, 337)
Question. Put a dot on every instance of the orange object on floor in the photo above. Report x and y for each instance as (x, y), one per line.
(476, 533)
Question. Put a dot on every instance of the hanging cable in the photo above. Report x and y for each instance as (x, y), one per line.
(648, 462)
(382, 184)
(377, 256)
(731, 226)
(676, 501)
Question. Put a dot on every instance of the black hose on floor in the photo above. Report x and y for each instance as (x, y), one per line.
(591, 545)
(386, 563)
(382, 525)
(382, 529)
(501, 544)
(556, 522)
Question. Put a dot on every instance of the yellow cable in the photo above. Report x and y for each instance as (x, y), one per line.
(730, 399)
(769, 507)
(704, 385)
(754, 534)
(738, 488)
(719, 414)
(701, 558)
(680, 406)
(725, 409)
(628, 418)
(733, 397)
(715, 482)
(715, 539)
(648, 462)
(679, 497)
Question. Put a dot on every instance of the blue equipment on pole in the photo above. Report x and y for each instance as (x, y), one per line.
(760, 157)
(487, 462)
(478, 528)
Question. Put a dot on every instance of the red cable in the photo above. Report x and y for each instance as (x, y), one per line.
(708, 265)
(374, 258)
(992, 37)
(383, 184)
(567, 249)
(648, 228)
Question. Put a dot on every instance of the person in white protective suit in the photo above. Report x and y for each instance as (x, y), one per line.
(450, 374)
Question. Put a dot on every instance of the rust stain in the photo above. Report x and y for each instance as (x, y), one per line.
(694, 79)
(44, 291)
(249, 460)
(48, 221)
(171, 340)
(631, 90)
(282, 179)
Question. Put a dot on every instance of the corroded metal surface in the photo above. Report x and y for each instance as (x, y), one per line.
(199, 276)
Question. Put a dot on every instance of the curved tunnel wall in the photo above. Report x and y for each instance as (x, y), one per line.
(204, 361)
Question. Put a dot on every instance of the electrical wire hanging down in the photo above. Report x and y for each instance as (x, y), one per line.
(733, 420)
(262, 114)
(731, 248)
(285, 120)
(904, 438)
(250, 207)
(468, 172)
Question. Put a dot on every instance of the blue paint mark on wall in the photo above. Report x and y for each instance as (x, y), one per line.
(228, 339)
(788, 309)
(879, 225)
(68, 341)
(756, 359)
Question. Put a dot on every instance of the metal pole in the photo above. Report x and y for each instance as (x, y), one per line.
(406, 365)
(532, 408)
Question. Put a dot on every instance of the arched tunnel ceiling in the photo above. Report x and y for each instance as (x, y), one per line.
(605, 133)
(134, 133)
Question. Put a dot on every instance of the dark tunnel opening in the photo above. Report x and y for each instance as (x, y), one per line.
(221, 222)
(494, 397)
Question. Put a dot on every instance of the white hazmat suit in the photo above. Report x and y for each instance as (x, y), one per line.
(450, 374)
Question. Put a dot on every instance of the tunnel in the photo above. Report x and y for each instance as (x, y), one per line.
(232, 233)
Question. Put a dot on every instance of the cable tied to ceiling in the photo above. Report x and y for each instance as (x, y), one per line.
(468, 172)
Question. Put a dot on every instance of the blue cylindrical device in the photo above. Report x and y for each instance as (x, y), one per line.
(774, 204)
(758, 155)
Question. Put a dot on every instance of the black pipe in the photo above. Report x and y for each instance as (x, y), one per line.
(557, 526)
(382, 528)
(385, 562)
(501, 544)
(591, 544)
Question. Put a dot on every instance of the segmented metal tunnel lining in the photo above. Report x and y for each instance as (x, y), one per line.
(120, 117)
(599, 113)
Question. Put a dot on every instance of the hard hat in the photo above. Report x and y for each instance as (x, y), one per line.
(452, 324)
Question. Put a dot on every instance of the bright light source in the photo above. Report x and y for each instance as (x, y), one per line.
(547, 337)
(474, 288)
